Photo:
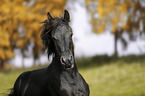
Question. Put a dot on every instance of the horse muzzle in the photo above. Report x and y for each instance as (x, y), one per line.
(67, 62)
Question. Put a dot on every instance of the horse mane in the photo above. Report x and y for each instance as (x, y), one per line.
(48, 28)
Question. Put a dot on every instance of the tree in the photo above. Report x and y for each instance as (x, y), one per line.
(110, 15)
(136, 19)
(19, 25)
(8, 29)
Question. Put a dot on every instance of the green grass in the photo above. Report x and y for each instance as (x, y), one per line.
(111, 78)
(116, 80)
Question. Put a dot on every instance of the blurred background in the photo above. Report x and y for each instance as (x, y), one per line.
(109, 40)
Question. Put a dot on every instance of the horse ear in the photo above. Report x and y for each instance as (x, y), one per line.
(49, 17)
(66, 16)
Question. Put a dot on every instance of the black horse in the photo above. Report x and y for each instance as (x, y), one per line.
(61, 77)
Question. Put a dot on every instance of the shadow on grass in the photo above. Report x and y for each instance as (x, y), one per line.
(141, 94)
(100, 60)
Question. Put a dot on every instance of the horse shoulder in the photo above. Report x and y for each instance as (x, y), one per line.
(24, 81)
(18, 84)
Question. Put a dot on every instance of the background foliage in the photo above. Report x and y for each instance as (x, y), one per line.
(20, 25)
(118, 16)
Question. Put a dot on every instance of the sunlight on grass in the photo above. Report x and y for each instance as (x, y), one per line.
(114, 79)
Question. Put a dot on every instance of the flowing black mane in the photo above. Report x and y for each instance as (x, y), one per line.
(46, 35)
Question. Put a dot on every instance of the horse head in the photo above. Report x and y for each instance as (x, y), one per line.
(57, 38)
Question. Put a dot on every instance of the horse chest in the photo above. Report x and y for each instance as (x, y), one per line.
(71, 87)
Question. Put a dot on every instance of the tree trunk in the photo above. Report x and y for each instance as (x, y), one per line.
(23, 58)
(115, 46)
(34, 64)
(1, 64)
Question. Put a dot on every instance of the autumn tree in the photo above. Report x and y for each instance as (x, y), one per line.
(113, 15)
(136, 20)
(9, 23)
(20, 25)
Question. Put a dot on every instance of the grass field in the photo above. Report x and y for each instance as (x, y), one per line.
(122, 77)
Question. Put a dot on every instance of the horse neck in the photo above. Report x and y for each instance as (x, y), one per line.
(55, 63)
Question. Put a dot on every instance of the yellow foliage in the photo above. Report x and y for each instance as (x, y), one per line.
(9, 54)
(87, 2)
(21, 43)
(100, 11)
(18, 13)
(114, 28)
(2, 56)
(6, 54)
(109, 11)
(4, 39)
(15, 36)
(100, 29)
(56, 12)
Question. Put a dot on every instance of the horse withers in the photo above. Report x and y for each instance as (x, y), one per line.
(61, 77)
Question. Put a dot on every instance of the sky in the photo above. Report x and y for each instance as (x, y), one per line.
(86, 42)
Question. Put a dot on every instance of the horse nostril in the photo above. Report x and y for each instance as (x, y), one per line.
(62, 60)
